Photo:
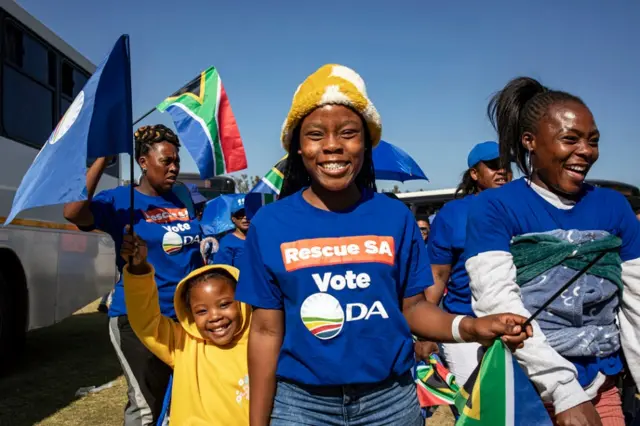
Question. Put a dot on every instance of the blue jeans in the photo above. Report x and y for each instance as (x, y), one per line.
(393, 402)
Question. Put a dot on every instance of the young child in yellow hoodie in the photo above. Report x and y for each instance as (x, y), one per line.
(207, 349)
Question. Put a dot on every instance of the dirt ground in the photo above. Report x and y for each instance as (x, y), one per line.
(70, 355)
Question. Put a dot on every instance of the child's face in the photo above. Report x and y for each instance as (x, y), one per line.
(215, 313)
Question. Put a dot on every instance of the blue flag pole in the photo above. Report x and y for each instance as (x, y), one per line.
(133, 149)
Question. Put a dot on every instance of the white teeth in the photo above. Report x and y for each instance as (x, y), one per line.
(334, 166)
(577, 169)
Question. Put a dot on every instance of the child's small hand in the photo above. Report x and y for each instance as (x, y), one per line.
(133, 250)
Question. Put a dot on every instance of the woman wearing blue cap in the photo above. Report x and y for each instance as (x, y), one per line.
(446, 246)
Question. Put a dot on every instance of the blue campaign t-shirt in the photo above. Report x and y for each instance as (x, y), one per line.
(340, 278)
(498, 215)
(231, 247)
(446, 247)
(172, 237)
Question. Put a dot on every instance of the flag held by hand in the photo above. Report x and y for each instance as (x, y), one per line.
(97, 124)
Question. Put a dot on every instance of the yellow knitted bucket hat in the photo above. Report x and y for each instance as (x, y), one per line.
(332, 84)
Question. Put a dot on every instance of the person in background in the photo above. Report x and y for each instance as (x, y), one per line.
(173, 240)
(232, 244)
(446, 251)
(199, 201)
(206, 348)
(424, 226)
(530, 237)
(336, 274)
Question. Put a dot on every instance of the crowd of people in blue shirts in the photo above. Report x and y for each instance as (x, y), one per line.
(332, 282)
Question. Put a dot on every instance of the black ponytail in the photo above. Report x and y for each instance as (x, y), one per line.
(517, 109)
(296, 176)
(467, 185)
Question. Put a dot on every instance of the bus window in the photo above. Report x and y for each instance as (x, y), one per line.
(28, 86)
(72, 81)
(29, 121)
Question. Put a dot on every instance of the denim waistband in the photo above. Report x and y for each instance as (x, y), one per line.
(352, 389)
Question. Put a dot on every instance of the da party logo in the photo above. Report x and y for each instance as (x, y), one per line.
(172, 241)
(322, 315)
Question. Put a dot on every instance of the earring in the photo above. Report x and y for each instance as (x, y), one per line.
(144, 171)
(529, 165)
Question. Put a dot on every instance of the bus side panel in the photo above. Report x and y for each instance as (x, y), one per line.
(86, 270)
(38, 256)
(65, 270)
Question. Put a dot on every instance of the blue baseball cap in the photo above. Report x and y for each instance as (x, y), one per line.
(485, 151)
(237, 204)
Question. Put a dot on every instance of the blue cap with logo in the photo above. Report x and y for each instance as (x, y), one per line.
(485, 151)
(237, 204)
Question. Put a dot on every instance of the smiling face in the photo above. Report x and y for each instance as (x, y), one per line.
(332, 146)
(162, 165)
(214, 310)
(564, 147)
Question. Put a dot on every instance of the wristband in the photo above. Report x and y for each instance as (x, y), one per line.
(455, 329)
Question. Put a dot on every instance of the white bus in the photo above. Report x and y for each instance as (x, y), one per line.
(425, 203)
(428, 202)
(48, 268)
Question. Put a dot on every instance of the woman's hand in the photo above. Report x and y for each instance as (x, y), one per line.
(485, 330)
(584, 414)
(134, 251)
(424, 349)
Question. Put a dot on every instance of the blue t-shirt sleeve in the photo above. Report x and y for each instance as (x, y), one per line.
(256, 286)
(104, 213)
(629, 226)
(414, 265)
(488, 227)
(224, 256)
(439, 246)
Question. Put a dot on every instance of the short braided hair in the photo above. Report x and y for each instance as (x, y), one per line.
(147, 136)
(518, 108)
(216, 274)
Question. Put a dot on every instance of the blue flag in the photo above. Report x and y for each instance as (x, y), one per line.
(254, 200)
(216, 217)
(97, 124)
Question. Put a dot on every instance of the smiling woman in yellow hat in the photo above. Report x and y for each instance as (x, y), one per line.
(336, 273)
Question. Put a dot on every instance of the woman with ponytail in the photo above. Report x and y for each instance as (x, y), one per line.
(173, 240)
(446, 251)
(528, 238)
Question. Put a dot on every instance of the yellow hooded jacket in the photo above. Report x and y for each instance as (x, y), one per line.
(210, 383)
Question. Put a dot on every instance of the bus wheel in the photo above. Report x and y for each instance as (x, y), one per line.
(12, 336)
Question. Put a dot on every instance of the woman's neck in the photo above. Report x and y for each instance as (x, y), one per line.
(536, 179)
(146, 188)
(324, 199)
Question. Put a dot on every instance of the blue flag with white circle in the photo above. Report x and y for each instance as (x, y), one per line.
(97, 124)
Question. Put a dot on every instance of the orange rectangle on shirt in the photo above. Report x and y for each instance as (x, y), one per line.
(333, 251)
(162, 215)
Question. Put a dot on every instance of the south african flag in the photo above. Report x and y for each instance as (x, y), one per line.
(499, 393)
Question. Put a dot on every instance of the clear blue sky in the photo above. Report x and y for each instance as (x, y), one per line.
(430, 66)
